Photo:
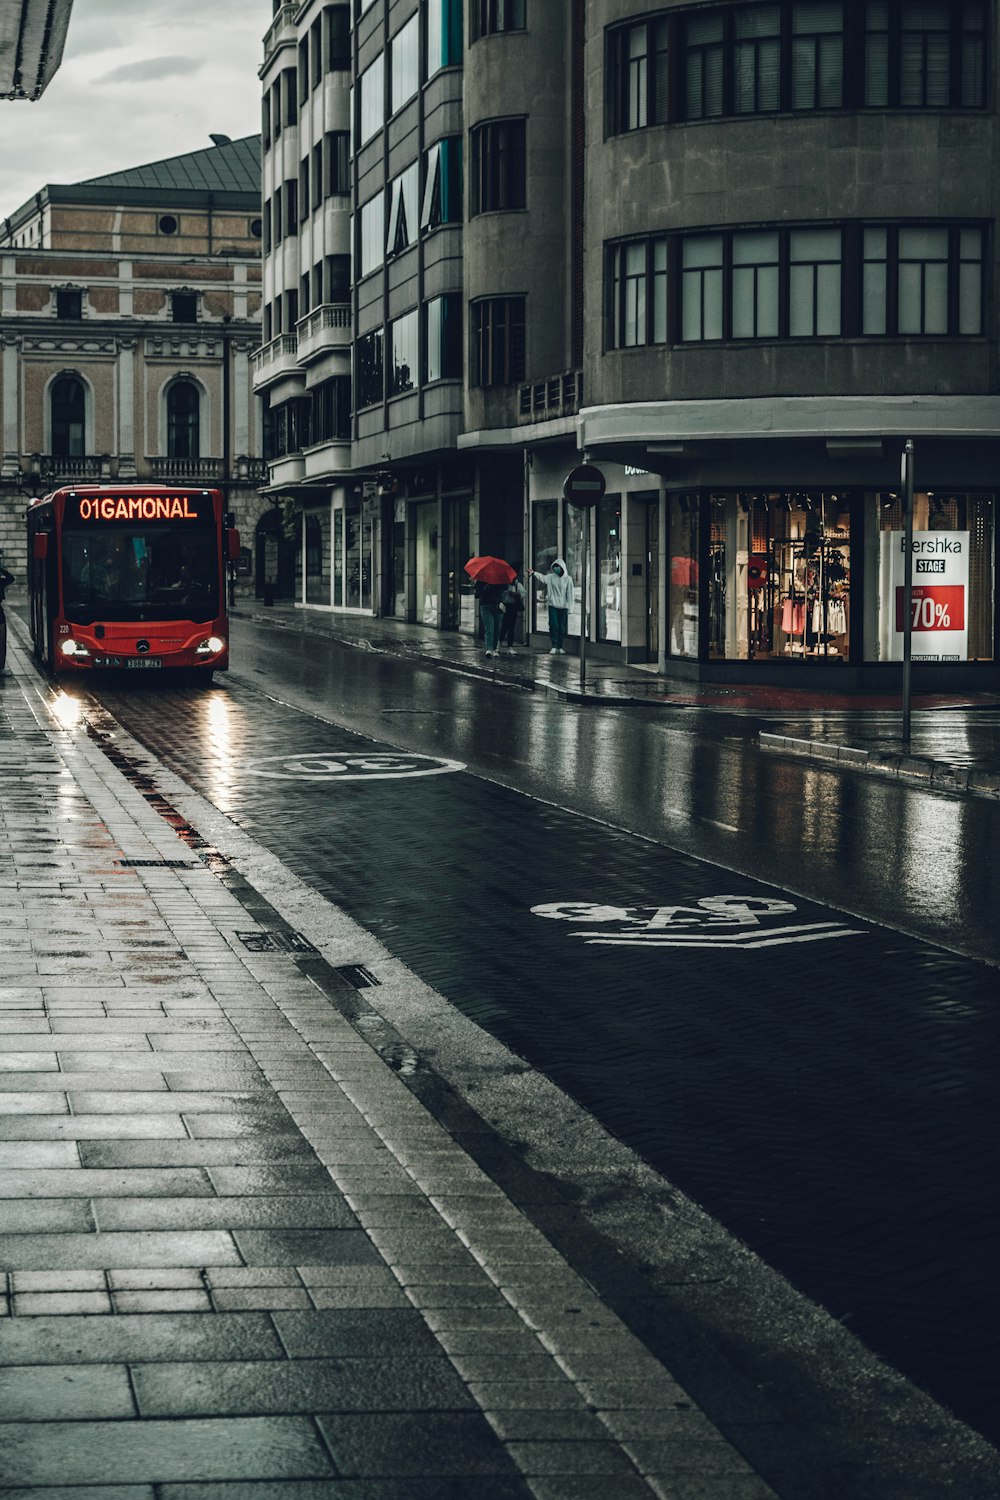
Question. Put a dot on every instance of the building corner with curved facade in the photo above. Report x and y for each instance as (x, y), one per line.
(736, 255)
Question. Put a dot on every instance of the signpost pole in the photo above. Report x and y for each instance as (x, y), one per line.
(583, 603)
(907, 477)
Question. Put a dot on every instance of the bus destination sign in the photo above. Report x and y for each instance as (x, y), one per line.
(134, 508)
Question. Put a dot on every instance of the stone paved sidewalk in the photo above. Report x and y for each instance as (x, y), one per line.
(238, 1256)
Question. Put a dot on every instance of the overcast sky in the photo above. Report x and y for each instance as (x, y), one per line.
(140, 80)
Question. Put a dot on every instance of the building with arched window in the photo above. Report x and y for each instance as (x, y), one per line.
(131, 306)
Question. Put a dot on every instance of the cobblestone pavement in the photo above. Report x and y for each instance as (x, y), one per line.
(249, 1245)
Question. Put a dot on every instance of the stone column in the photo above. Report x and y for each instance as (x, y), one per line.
(126, 408)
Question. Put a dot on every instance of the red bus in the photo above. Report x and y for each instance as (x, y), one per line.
(130, 576)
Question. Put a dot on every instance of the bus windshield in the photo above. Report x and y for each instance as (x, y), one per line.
(152, 573)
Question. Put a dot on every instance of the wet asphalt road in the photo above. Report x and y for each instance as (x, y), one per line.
(824, 1086)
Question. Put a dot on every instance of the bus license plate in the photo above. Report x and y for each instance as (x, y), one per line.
(143, 661)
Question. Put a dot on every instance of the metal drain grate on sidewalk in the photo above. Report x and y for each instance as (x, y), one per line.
(276, 942)
(358, 975)
(157, 864)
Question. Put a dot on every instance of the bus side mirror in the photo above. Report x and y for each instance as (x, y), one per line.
(40, 546)
(232, 546)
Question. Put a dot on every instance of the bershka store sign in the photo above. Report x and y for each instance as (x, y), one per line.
(939, 611)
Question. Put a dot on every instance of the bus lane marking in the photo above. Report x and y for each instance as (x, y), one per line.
(724, 922)
(372, 766)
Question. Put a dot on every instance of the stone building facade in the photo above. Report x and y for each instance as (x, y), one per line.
(129, 310)
(734, 253)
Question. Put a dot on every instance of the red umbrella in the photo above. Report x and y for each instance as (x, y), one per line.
(490, 570)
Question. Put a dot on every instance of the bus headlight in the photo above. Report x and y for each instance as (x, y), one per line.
(211, 646)
(73, 648)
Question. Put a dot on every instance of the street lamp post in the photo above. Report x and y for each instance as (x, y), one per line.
(907, 478)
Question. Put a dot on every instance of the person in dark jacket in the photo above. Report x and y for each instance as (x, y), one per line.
(489, 596)
(513, 605)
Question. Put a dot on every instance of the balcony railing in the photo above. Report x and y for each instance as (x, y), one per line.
(187, 470)
(325, 328)
(558, 396)
(329, 315)
(285, 345)
(283, 17)
(41, 472)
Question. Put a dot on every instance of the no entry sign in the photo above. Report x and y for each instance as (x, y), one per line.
(584, 486)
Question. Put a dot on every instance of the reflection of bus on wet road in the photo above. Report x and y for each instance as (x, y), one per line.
(130, 576)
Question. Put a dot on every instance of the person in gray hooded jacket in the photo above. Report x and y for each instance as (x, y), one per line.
(559, 593)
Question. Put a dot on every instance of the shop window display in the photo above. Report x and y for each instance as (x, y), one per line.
(779, 576)
(544, 549)
(953, 577)
(574, 521)
(683, 604)
(609, 541)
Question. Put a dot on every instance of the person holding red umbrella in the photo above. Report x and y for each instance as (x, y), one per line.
(492, 575)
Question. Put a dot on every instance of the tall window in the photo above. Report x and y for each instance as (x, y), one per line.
(403, 194)
(331, 410)
(498, 166)
(637, 285)
(444, 35)
(756, 58)
(925, 53)
(442, 201)
(755, 285)
(498, 15)
(69, 305)
(372, 90)
(923, 281)
(498, 341)
(704, 65)
(337, 19)
(337, 144)
(637, 76)
(368, 370)
(403, 349)
(184, 307)
(372, 241)
(404, 65)
(338, 278)
(817, 56)
(443, 337)
(814, 257)
(183, 420)
(68, 410)
(702, 270)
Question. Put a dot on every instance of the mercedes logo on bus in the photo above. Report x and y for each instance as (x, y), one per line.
(142, 647)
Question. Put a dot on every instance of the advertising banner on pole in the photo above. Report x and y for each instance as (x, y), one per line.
(939, 612)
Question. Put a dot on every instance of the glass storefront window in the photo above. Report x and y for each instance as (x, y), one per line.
(428, 572)
(953, 594)
(544, 547)
(609, 543)
(574, 521)
(318, 557)
(352, 555)
(683, 600)
(780, 576)
(398, 596)
(338, 559)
